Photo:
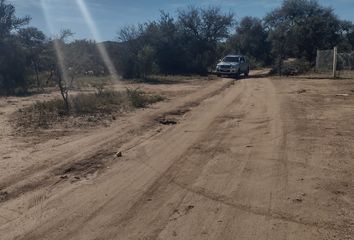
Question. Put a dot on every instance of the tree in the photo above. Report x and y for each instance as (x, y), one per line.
(60, 72)
(347, 36)
(202, 30)
(281, 45)
(8, 20)
(12, 64)
(82, 56)
(33, 40)
(251, 39)
(299, 27)
(12, 67)
(188, 44)
(130, 43)
(350, 37)
(146, 60)
(164, 37)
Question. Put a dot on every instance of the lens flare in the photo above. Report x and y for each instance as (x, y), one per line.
(58, 50)
(94, 31)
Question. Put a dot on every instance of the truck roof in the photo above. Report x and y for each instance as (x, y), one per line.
(233, 55)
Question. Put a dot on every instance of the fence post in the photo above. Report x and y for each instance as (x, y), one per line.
(335, 62)
(317, 61)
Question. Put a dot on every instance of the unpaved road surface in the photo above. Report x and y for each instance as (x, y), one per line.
(258, 158)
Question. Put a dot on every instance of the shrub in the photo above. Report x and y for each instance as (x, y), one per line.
(41, 114)
(293, 67)
(91, 106)
(104, 102)
(137, 98)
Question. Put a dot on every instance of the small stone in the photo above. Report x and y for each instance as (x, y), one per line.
(119, 154)
(301, 91)
(189, 207)
(3, 195)
(300, 198)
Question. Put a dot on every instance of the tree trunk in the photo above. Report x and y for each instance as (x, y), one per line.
(280, 65)
(36, 70)
(64, 93)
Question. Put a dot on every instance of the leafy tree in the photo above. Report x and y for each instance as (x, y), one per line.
(299, 27)
(146, 61)
(33, 42)
(281, 45)
(350, 37)
(130, 43)
(251, 39)
(8, 20)
(186, 45)
(168, 46)
(347, 36)
(82, 56)
(12, 64)
(12, 67)
(201, 30)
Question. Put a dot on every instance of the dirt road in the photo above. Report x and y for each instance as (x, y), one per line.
(257, 158)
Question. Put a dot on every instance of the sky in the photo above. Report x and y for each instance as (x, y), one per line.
(111, 15)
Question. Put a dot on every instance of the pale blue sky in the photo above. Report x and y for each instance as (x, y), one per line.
(111, 15)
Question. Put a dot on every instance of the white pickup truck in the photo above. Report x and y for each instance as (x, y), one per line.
(233, 65)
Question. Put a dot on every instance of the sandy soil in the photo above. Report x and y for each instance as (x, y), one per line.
(257, 158)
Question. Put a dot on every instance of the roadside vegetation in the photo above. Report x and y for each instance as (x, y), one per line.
(189, 41)
(84, 109)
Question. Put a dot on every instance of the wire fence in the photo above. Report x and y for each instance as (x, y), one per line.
(330, 63)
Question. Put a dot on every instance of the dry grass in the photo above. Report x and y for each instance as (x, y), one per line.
(89, 107)
(173, 79)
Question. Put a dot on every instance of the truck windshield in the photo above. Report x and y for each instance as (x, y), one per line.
(231, 59)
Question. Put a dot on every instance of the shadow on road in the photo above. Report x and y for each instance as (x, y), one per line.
(257, 74)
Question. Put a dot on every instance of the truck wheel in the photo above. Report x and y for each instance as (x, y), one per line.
(237, 75)
(247, 72)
